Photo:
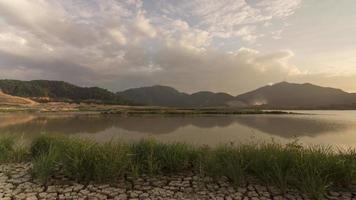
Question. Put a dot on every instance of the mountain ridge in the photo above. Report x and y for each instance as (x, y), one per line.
(45, 91)
(158, 95)
(283, 95)
(294, 95)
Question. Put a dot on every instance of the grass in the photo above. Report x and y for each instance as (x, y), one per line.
(45, 164)
(12, 151)
(150, 157)
(84, 160)
(311, 170)
(225, 161)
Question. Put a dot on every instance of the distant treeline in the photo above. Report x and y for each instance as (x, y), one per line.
(44, 91)
(282, 95)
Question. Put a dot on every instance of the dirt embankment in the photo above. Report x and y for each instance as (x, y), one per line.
(6, 99)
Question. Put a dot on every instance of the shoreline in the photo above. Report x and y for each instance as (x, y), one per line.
(94, 109)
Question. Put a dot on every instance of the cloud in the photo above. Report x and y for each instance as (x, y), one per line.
(180, 33)
(18, 67)
(248, 34)
(143, 26)
(191, 70)
(49, 22)
(278, 8)
(118, 36)
(225, 18)
(192, 24)
(121, 44)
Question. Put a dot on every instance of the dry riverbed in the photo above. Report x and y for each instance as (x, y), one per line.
(16, 182)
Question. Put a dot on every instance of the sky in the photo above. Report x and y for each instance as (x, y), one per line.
(228, 45)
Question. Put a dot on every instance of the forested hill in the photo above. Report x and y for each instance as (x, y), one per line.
(44, 90)
(282, 95)
(159, 95)
(301, 96)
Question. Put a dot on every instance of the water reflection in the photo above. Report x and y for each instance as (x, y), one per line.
(8, 120)
(275, 125)
(58, 124)
(165, 125)
(288, 127)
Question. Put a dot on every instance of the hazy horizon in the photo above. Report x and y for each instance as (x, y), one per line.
(182, 91)
(231, 46)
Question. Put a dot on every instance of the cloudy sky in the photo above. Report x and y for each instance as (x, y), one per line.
(226, 45)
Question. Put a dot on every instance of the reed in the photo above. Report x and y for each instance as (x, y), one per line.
(311, 170)
(12, 150)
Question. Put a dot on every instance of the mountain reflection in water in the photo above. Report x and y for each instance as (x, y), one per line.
(285, 126)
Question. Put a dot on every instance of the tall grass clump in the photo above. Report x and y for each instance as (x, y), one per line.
(151, 157)
(228, 161)
(43, 144)
(78, 159)
(46, 152)
(81, 160)
(343, 169)
(175, 157)
(319, 167)
(312, 170)
(6, 147)
(12, 150)
(272, 163)
(144, 157)
(110, 161)
(45, 164)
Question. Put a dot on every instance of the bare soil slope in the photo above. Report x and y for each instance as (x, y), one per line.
(6, 99)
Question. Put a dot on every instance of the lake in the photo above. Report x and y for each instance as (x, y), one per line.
(337, 128)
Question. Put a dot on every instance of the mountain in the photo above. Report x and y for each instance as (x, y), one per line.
(205, 98)
(44, 90)
(155, 96)
(282, 95)
(292, 95)
(167, 96)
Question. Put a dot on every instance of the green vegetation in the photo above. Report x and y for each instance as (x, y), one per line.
(10, 151)
(59, 91)
(45, 164)
(311, 170)
(159, 95)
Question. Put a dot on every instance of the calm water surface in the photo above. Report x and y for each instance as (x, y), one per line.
(321, 127)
